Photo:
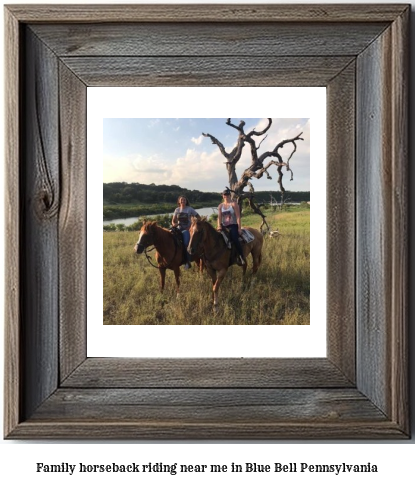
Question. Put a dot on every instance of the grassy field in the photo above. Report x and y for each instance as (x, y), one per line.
(280, 293)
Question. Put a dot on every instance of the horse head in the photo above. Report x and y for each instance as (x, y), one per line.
(146, 237)
(197, 234)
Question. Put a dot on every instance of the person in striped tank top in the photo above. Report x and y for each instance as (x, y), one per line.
(229, 217)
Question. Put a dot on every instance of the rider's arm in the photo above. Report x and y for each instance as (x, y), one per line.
(238, 216)
(174, 219)
(219, 226)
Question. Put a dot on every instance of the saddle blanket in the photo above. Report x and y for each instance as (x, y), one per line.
(246, 236)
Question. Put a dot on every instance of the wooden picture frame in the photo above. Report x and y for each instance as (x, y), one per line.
(360, 53)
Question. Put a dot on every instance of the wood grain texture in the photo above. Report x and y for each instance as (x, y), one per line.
(210, 405)
(341, 236)
(40, 188)
(400, 231)
(205, 13)
(199, 71)
(371, 307)
(52, 390)
(202, 39)
(373, 221)
(206, 373)
(72, 222)
(382, 223)
(213, 431)
(13, 383)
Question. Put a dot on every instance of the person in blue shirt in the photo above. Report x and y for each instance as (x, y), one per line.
(182, 220)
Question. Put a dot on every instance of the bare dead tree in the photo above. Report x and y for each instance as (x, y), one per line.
(235, 155)
(257, 167)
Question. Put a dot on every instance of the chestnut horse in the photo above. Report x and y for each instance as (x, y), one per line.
(217, 256)
(169, 252)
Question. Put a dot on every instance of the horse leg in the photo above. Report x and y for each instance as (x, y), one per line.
(177, 276)
(199, 263)
(212, 274)
(162, 278)
(221, 275)
(257, 257)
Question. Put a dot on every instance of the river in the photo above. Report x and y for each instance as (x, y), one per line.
(204, 212)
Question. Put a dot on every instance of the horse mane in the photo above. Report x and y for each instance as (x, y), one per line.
(164, 236)
(203, 220)
(198, 219)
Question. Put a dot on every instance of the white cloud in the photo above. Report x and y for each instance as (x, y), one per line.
(136, 168)
(153, 122)
(198, 140)
(197, 169)
(206, 171)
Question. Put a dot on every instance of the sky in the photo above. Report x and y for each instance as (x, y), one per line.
(174, 152)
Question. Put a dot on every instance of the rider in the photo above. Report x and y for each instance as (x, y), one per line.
(181, 220)
(229, 217)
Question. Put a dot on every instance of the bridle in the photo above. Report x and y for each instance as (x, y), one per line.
(201, 233)
(149, 258)
(203, 254)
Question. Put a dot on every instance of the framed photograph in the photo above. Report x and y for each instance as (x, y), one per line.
(53, 387)
(173, 153)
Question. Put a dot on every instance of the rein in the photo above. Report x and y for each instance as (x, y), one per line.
(215, 256)
(149, 258)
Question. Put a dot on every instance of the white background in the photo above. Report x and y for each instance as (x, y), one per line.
(394, 459)
(199, 341)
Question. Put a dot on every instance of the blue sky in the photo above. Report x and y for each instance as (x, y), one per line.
(173, 151)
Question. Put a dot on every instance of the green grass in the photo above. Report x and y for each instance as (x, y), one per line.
(280, 293)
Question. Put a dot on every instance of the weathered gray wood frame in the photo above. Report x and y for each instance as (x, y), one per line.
(359, 52)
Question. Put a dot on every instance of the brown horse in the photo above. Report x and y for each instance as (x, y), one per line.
(217, 256)
(169, 252)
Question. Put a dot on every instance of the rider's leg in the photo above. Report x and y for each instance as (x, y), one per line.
(233, 229)
(186, 240)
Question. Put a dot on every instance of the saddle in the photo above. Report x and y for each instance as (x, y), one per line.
(178, 237)
(245, 238)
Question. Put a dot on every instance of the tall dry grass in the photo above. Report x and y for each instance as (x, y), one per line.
(280, 293)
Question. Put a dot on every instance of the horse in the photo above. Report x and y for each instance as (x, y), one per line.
(217, 256)
(169, 252)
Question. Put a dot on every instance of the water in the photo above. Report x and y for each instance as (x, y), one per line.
(204, 212)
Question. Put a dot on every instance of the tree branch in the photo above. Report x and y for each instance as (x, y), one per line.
(256, 169)
(239, 127)
(262, 141)
(260, 133)
(218, 143)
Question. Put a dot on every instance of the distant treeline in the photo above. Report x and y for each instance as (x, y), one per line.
(124, 193)
(138, 193)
